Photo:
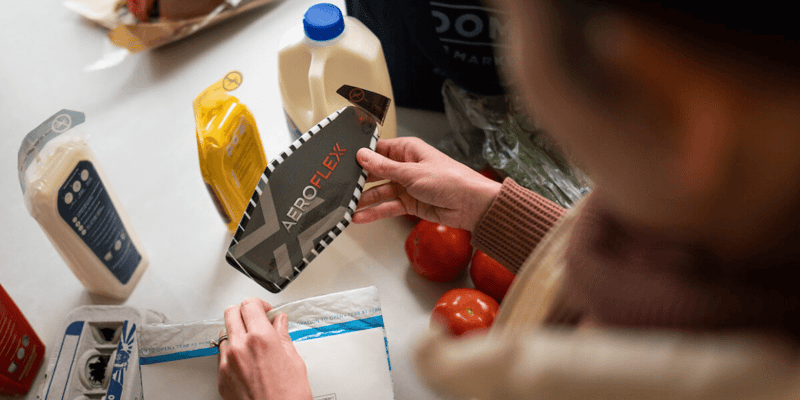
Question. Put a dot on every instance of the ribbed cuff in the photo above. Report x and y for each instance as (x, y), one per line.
(514, 224)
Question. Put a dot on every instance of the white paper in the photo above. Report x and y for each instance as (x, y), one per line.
(192, 378)
(339, 336)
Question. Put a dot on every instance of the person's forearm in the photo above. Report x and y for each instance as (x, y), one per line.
(514, 224)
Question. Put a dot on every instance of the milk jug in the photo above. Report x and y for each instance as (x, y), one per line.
(317, 58)
(69, 195)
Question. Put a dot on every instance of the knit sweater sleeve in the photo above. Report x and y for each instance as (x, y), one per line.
(514, 224)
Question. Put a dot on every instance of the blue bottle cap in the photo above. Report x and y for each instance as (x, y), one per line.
(323, 21)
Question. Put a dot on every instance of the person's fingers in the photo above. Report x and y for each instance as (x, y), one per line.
(222, 381)
(281, 325)
(378, 164)
(267, 306)
(371, 178)
(222, 350)
(403, 149)
(233, 322)
(390, 148)
(254, 315)
(378, 194)
(388, 209)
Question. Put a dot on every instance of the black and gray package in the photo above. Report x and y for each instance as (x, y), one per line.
(304, 199)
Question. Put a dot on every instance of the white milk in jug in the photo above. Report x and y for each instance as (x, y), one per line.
(68, 194)
(317, 58)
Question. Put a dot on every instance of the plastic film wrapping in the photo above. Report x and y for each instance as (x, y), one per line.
(493, 131)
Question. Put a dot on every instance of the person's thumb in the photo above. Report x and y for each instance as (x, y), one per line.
(384, 167)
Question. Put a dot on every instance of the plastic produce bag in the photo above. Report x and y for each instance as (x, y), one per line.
(493, 131)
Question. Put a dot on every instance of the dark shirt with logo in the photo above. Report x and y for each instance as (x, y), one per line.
(426, 42)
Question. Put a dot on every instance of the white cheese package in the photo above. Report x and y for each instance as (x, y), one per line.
(340, 336)
(69, 195)
(97, 355)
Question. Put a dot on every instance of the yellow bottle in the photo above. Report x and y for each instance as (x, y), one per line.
(229, 146)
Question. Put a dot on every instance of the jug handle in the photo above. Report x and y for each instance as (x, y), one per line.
(316, 84)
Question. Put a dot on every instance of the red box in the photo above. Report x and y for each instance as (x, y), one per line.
(21, 351)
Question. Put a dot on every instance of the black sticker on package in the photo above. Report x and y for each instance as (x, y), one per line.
(374, 103)
(304, 199)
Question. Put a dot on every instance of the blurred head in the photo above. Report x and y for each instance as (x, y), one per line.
(675, 114)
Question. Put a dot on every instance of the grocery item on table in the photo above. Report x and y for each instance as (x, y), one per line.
(489, 276)
(464, 311)
(21, 350)
(229, 147)
(173, 10)
(437, 252)
(304, 199)
(98, 355)
(143, 25)
(340, 337)
(69, 195)
(317, 58)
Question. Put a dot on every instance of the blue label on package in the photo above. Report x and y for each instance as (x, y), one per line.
(84, 204)
(67, 352)
(124, 350)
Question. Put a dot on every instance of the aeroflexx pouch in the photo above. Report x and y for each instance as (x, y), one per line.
(307, 196)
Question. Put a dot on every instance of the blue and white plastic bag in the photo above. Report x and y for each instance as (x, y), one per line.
(340, 336)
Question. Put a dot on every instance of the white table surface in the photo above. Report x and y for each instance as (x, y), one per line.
(141, 128)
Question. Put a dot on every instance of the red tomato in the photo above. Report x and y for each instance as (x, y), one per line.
(437, 252)
(464, 310)
(412, 218)
(489, 276)
(490, 173)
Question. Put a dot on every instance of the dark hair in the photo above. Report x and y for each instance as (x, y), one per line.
(767, 29)
(760, 38)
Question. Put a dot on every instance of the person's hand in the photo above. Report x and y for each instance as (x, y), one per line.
(258, 361)
(423, 182)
